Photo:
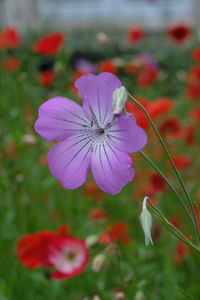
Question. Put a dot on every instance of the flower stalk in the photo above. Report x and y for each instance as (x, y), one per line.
(177, 233)
(172, 164)
(148, 159)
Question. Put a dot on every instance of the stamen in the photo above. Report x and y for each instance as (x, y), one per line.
(101, 130)
(70, 255)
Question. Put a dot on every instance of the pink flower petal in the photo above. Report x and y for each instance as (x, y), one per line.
(60, 118)
(97, 94)
(111, 168)
(69, 160)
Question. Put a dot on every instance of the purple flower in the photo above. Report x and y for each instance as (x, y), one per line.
(84, 65)
(90, 137)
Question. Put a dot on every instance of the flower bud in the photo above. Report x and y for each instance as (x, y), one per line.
(96, 297)
(139, 296)
(120, 296)
(119, 100)
(146, 222)
(98, 262)
(92, 240)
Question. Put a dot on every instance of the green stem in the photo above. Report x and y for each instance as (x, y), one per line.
(177, 233)
(118, 261)
(168, 183)
(171, 162)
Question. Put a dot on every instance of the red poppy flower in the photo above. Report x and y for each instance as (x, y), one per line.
(9, 38)
(196, 53)
(193, 91)
(181, 252)
(135, 34)
(137, 112)
(47, 78)
(2, 41)
(194, 73)
(156, 232)
(171, 126)
(11, 63)
(157, 182)
(154, 108)
(181, 161)
(195, 113)
(147, 76)
(107, 65)
(179, 33)
(75, 76)
(31, 248)
(66, 253)
(49, 44)
(92, 190)
(131, 67)
(116, 233)
(159, 106)
(98, 213)
(175, 220)
(188, 134)
(193, 88)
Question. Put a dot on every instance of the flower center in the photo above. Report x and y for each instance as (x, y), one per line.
(101, 130)
(70, 255)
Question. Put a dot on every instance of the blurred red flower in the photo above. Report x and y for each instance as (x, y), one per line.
(181, 251)
(154, 108)
(92, 190)
(195, 113)
(11, 63)
(49, 44)
(188, 134)
(181, 161)
(159, 106)
(9, 38)
(116, 233)
(193, 88)
(66, 253)
(147, 76)
(196, 53)
(131, 67)
(108, 65)
(135, 34)
(75, 76)
(193, 91)
(31, 248)
(137, 112)
(157, 182)
(175, 220)
(194, 73)
(46, 78)
(2, 41)
(98, 213)
(179, 33)
(170, 126)
(156, 232)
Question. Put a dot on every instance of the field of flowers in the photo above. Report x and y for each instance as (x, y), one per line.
(97, 221)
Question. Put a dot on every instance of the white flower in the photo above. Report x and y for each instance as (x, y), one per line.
(146, 222)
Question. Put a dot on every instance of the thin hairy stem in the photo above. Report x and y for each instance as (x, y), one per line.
(177, 233)
(172, 164)
(148, 159)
